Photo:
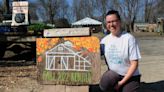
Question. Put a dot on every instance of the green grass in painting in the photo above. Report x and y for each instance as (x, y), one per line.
(47, 75)
(68, 77)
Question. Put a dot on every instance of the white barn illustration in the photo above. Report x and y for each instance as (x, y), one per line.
(64, 58)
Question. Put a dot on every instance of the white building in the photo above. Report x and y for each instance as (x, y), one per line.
(95, 25)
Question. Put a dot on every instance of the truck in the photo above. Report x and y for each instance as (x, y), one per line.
(15, 37)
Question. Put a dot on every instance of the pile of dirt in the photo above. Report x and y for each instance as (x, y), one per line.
(19, 79)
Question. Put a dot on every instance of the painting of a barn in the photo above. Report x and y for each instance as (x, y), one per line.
(64, 58)
(68, 60)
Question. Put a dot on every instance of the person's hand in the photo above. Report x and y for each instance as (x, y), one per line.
(118, 85)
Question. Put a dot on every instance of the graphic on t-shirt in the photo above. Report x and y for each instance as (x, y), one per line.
(114, 55)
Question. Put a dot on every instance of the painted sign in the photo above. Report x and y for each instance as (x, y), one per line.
(68, 60)
(66, 32)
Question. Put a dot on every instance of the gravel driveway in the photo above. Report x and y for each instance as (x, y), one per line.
(152, 63)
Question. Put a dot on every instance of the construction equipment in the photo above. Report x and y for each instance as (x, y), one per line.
(13, 31)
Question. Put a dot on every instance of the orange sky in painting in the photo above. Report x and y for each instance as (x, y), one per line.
(90, 43)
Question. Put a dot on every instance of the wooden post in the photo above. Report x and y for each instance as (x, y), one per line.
(64, 88)
(77, 89)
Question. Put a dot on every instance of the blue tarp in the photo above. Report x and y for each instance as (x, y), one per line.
(5, 29)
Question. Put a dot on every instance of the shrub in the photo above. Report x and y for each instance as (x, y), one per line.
(38, 27)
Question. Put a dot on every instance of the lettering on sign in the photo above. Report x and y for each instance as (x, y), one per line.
(66, 32)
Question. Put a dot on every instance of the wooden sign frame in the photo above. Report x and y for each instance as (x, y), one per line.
(66, 32)
(68, 60)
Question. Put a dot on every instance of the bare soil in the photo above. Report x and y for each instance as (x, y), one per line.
(19, 79)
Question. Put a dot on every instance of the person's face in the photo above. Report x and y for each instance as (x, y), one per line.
(113, 24)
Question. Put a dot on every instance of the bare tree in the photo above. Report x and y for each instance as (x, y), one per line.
(149, 10)
(128, 10)
(88, 9)
(63, 9)
(33, 11)
(7, 6)
(53, 9)
(159, 8)
(76, 9)
(49, 7)
(153, 10)
(103, 6)
(91, 8)
(1, 12)
(83, 8)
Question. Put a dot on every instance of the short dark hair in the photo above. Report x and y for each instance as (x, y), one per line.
(114, 12)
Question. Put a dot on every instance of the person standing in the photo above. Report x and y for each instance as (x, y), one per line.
(122, 55)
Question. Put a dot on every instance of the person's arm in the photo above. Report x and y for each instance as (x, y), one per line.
(134, 56)
(131, 70)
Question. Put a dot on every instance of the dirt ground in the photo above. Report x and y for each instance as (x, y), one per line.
(23, 77)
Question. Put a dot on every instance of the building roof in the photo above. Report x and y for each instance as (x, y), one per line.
(87, 21)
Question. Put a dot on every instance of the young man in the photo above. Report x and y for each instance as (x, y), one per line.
(122, 55)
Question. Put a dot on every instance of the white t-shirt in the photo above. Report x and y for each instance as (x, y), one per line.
(119, 51)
